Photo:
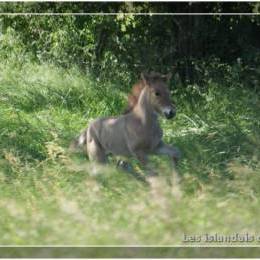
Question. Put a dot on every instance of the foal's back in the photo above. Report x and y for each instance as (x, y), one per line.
(110, 134)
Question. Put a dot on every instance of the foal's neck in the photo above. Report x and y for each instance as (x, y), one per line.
(144, 110)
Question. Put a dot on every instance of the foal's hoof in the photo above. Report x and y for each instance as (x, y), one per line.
(152, 174)
(177, 153)
(124, 165)
(175, 160)
(177, 156)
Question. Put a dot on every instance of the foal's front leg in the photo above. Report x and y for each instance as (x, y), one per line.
(142, 158)
(173, 152)
(174, 155)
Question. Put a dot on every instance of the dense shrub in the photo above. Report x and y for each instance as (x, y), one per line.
(120, 46)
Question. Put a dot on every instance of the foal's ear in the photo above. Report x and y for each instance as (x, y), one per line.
(145, 78)
(167, 76)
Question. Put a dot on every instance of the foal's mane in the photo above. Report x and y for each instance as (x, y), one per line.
(137, 88)
(133, 96)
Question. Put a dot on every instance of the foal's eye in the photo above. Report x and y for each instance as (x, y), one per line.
(157, 93)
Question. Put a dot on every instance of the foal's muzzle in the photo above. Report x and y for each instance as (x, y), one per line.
(169, 113)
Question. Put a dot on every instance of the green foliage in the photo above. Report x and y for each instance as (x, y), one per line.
(121, 46)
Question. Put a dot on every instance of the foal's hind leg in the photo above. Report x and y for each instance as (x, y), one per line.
(94, 150)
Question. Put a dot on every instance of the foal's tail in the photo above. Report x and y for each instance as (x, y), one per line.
(80, 141)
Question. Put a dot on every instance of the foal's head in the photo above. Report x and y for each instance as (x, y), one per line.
(159, 93)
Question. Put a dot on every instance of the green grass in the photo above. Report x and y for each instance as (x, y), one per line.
(49, 196)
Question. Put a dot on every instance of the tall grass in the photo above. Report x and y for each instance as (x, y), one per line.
(49, 196)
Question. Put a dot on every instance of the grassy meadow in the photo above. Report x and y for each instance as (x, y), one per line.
(50, 196)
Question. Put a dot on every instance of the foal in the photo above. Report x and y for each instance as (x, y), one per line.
(136, 133)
